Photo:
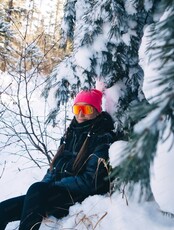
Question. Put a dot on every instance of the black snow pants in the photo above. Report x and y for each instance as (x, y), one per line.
(41, 200)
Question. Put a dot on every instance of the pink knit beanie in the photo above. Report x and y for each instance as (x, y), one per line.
(92, 97)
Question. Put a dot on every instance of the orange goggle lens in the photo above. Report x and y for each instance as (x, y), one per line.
(86, 109)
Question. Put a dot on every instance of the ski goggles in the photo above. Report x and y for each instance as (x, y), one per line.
(86, 109)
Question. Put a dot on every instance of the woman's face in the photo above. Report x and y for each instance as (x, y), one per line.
(81, 116)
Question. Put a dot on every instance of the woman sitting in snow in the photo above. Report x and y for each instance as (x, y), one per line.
(79, 168)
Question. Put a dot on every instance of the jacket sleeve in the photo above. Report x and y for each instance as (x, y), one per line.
(49, 176)
(89, 181)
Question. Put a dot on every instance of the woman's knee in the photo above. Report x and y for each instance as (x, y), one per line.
(37, 191)
(38, 187)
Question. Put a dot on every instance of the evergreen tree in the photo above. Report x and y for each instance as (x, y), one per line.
(158, 123)
(105, 37)
(6, 34)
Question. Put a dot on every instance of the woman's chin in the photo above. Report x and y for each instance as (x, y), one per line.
(81, 120)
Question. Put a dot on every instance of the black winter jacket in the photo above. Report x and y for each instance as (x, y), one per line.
(91, 178)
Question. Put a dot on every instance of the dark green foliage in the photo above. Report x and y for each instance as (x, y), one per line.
(69, 17)
(62, 94)
(6, 34)
(152, 120)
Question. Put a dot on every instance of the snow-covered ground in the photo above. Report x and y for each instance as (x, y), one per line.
(95, 212)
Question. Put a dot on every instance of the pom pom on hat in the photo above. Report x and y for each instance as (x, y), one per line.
(92, 97)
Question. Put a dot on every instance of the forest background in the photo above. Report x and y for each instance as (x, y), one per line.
(124, 48)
